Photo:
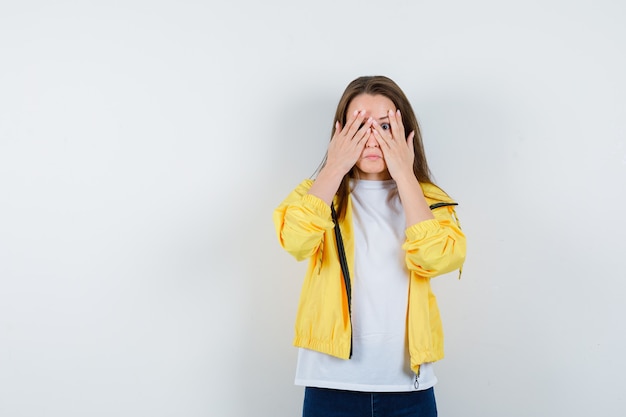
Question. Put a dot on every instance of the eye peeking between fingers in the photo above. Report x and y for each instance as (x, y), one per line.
(385, 126)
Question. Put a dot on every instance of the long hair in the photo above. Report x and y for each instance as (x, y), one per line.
(380, 85)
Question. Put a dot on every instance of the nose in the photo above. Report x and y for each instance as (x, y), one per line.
(371, 140)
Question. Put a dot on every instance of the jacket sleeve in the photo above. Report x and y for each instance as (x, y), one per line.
(435, 247)
(301, 221)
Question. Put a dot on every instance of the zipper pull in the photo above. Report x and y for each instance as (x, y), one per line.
(416, 384)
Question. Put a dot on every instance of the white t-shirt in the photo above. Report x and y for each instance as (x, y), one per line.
(380, 288)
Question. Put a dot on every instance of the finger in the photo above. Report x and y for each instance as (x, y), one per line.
(361, 141)
(355, 123)
(384, 134)
(395, 120)
(364, 129)
(410, 141)
(338, 133)
(382, 141)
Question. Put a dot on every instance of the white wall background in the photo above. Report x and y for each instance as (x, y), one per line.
(144, 145)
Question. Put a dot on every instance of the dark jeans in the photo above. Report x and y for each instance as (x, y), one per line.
(321, 402)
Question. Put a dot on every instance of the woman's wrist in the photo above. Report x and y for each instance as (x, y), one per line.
(327, 183)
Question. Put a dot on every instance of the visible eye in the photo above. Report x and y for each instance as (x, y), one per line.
(385, 126)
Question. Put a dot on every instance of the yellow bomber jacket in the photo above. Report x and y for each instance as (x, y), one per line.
(433, 247)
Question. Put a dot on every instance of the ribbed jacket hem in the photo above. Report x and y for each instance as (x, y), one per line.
(337, 349)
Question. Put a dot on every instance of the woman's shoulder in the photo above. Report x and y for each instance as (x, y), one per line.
(299, 193)
(434, 194)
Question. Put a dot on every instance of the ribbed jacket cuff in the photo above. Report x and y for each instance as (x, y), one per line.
(422, 229)
(316, 205)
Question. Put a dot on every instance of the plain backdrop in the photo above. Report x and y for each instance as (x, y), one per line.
(145, 144)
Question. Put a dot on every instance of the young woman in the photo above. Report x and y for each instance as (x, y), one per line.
(368, 342)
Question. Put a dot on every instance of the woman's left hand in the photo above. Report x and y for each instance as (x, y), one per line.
(397, 150)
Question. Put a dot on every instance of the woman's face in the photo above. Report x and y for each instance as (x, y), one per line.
(371, 164)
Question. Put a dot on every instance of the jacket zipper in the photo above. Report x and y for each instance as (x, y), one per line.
(416, 384)
(344, 270)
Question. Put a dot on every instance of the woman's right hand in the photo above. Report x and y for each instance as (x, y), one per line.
(348, 142)
(344, 151)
